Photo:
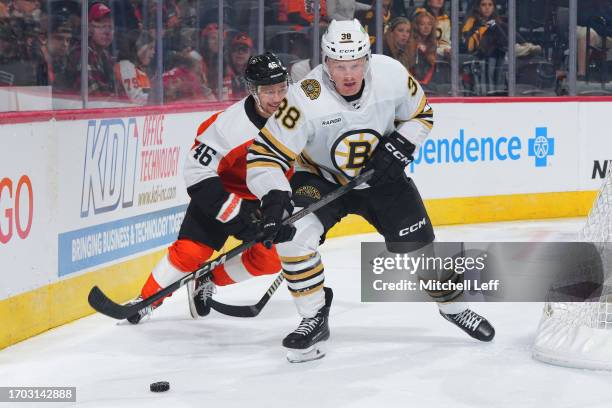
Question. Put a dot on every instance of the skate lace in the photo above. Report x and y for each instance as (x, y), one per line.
(468, 319)
(307, 325)
(145, 311)
(206, 289)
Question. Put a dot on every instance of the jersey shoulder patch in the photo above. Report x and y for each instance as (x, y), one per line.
(311, 87)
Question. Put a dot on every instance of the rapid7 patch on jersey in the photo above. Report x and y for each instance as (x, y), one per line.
(351, 150)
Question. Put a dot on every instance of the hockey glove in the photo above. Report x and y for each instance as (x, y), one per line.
(245, 224)
(239, 216)
(275, 206)
(390, 159)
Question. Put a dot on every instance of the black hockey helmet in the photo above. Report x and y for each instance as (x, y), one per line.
(265, 69)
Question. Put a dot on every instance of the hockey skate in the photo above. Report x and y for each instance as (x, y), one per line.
(144, 312)
(198, 292)
(472, 323)
(306, 343)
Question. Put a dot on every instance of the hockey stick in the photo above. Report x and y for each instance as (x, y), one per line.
(103, 304)
(248, 311)
(254, 310)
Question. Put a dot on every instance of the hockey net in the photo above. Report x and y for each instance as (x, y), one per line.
(579, 334)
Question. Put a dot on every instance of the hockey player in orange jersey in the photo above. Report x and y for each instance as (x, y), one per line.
(221, 205)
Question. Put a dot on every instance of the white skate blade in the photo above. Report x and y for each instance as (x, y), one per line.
(192, 308)
(314, 352)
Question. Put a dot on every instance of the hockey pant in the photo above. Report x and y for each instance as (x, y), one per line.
(185, 256)
(396, 211)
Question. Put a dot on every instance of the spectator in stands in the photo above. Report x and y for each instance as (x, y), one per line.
(598, 16)
(301, 12)
(11, 69)
(188, 49)
(368, 18)
(56, 50)
(4, 8)
(486, 35)
(21, 60)
(422, 47)
(396, 40)
(301, 68)
(183, 78)
(124, 17)
(136, 50)
(181, 81)
(101, 77)
(188, 11)
(345, 9)
(443, 26)
(209, 50)
(146, 14)
(26, 9)
(240, 50)
(70, 12)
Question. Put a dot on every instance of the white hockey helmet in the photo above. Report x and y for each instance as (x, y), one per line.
(345, 40)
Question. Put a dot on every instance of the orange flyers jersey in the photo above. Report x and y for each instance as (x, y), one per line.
(133, 82)
(220, 148)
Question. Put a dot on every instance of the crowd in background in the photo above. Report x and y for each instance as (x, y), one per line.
(40, 44)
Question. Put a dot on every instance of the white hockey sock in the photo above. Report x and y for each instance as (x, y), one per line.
(165, 273)
(453, 307)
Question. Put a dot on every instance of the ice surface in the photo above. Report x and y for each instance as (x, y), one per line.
(379, 355)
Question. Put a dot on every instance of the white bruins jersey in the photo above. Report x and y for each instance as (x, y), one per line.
(318, 131)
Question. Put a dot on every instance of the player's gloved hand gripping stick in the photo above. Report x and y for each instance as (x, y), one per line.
(390, 158)
(103, 304)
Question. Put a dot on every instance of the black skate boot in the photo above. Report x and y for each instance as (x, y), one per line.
(199, 291)
(472, 323)
(144, 312)
(305, 342)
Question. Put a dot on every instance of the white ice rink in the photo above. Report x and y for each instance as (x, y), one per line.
(379, 355)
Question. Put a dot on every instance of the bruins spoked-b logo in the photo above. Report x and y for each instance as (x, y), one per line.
(351, 150)
(312, 88)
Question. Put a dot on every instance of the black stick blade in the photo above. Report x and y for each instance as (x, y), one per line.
(101, 303)
(235, 311)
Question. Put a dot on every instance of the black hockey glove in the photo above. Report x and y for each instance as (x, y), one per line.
(239, 216)
(275, 206)
(390, 159)
(245, 225)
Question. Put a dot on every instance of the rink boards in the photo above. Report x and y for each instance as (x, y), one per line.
(93, 198)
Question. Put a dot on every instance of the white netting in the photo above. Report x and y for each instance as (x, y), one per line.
(580, 334)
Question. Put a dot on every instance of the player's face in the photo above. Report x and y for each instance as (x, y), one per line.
(401, 34)
(347, 75)
(271, 97)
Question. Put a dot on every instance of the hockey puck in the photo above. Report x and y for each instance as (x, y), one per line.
(160, 386)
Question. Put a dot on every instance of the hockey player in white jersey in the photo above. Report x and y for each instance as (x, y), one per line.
(353, 112)
(221, 205)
